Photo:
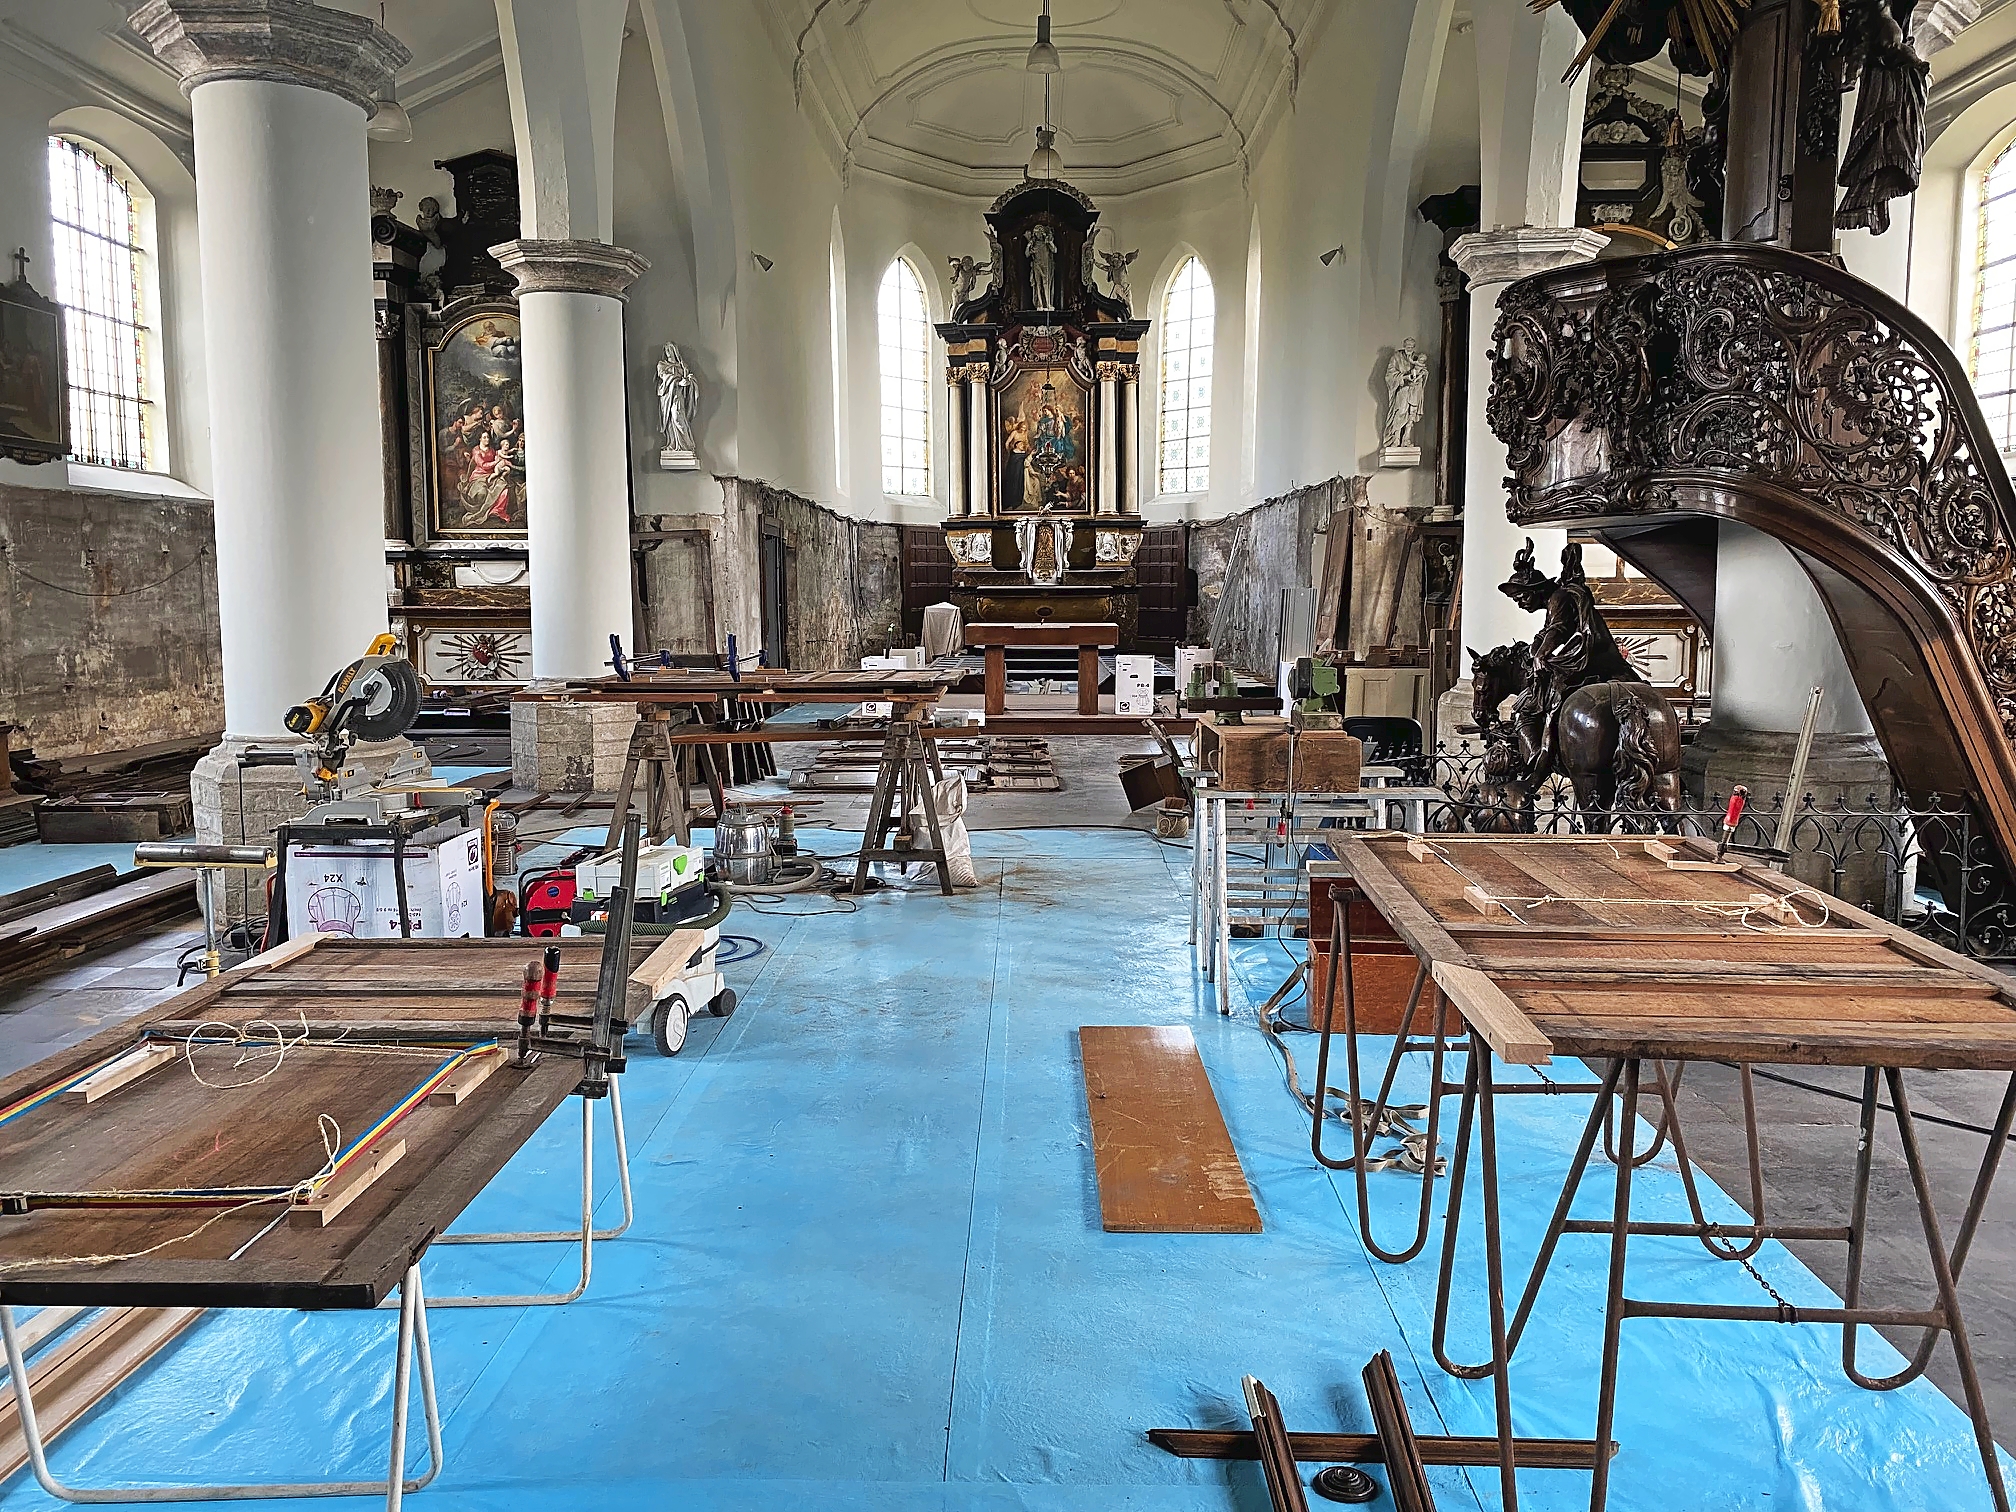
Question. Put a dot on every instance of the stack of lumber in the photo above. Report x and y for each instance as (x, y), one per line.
(54, 920)
(72, 1369)
(159, 768)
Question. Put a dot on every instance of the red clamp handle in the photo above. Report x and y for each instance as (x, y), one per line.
(1738, 796)
(528, 1002)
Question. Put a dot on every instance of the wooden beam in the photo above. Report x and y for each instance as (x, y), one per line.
(130, 1067)
(1491, 1013)
(320, 1212)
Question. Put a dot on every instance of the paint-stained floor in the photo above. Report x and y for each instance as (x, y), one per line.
(867, 1270)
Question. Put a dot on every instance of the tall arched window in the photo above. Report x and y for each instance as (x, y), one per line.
(1992, 353)
(1188, 325)
(100, 282)
(905, 321)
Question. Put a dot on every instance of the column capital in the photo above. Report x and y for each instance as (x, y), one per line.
(570, 267)
(1513, 252)
(1935, 23)
(282, 41)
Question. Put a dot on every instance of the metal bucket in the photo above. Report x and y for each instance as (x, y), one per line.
(743, 850)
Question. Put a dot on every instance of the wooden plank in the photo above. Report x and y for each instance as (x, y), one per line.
(128, 1068)
(1671, 857)
(1164, 1160)
(1492, 1014)
(78, 1373)
(465, 1079)
(669, 962)
(320, 1212)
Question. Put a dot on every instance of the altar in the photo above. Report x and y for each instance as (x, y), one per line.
(1044, 368)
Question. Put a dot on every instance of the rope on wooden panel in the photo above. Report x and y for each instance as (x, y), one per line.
(1736, 911)
(337, 1155)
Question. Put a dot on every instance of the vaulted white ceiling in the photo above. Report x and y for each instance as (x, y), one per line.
(935, 91)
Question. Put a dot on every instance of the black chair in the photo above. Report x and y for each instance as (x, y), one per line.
(1389, 739)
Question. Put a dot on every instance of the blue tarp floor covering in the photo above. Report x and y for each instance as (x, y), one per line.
(867, 1270)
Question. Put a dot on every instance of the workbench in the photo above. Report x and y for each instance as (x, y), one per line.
(1087, 639)
(1628, 952)
(184, 1159)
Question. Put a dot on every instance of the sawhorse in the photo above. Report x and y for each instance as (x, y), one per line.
(904, 781)
(663, 765)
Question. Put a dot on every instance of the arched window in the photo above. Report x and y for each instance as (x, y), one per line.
(1991, 356)
(905, 321)
(1188, 325)
(100, 277)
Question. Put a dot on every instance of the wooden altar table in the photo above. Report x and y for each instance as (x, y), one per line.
(1089, 639)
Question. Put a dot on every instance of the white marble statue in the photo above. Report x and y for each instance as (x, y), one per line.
(1042, 247)
(1116, 265)
(966, 273)
(678, 402)
(1406, 395)
(1027, 535)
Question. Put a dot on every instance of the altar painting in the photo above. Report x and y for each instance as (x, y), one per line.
(476, 416)
(1045, 442)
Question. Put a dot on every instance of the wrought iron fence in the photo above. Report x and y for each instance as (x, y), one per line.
(1927, 866)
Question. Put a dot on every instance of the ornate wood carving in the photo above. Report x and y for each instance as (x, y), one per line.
(1757, 384)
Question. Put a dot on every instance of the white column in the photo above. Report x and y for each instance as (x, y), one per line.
(1775, 642)
(1108, 501)
(1130, 426)
(979, 497)
(1491, 260)
(278, 91)
(577, 490)
(957, 500)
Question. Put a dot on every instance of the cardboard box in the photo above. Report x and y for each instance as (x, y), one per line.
(1252, 757)
(1149, 780)
(350, 890)
(1134, 685)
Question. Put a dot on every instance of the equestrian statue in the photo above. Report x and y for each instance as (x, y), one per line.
(1580, 712)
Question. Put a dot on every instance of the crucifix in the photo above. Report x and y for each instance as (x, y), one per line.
(21, 261)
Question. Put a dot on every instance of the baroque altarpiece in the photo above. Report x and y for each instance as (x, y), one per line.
(451, 410)
(1045, 428)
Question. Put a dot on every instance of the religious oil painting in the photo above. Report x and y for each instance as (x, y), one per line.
(476, 417)
(1045, 442)
(33, 418)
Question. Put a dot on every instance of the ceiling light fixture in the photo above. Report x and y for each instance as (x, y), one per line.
(1043, 57)
(389, 121)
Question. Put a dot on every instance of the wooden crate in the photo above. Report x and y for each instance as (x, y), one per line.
(1252, 757)
(100, 818)
(1382, 967)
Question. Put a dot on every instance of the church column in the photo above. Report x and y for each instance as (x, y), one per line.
(279, 93)
(957, 501)
(1490, 260)
(1130, 440)
(979, 498)
(560, 62)
(1108, 501)
(577, 488)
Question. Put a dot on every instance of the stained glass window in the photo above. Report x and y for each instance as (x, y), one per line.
(905, 321)
(1991, 357)
(1189, 323)
(98, 272)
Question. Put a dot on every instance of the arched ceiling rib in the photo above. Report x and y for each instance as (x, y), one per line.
(934, 91)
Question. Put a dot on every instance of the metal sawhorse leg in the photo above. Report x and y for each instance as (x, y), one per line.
(412, 1343)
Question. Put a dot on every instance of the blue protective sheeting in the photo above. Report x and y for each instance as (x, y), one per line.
(868, 1273)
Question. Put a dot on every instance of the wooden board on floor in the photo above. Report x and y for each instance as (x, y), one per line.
(1164, 1159)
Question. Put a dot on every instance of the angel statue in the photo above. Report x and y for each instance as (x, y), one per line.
(1116, 265)
(678, 400)
(1041, 243)
(1406, 395)
(966, 273)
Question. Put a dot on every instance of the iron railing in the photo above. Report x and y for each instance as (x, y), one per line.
(1927, 866)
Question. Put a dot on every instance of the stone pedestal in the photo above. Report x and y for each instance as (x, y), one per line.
(1842, 768)
(561, 746)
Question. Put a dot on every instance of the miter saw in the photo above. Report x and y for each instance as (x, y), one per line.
(376, 697)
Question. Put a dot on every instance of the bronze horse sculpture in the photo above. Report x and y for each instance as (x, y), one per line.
(1616, 741)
